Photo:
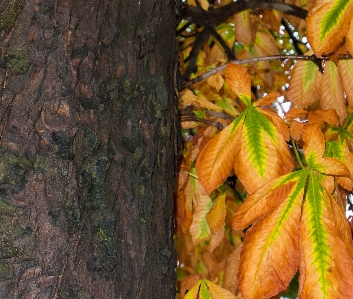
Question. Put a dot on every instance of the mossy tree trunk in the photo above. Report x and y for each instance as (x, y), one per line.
(88, 148)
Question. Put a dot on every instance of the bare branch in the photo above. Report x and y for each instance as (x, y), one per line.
(312, 58)
(226, 49)
(215, 16)
(292, 37)
(187, 114)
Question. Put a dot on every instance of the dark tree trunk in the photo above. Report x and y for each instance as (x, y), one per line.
(88, 129)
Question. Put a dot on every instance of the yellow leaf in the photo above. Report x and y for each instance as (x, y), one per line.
(204, 4)
(217, 292)
(199, 229)
(187, 283)
(188, 97)
(278, 122)
(216, 81)
(192, 294)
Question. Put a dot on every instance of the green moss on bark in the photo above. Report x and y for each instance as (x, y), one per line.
(17, 61)
(9, 15)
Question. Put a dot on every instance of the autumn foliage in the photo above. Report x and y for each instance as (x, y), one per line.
(267, 163)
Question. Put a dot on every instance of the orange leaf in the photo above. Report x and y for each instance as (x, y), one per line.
(180, 207)
(314, 140)
(243, 30)
(217, 292)
(332, 166)
(263, 201)
(199, 229)
(279, 161)
(296, 129)
(319, 116)
(268, 99)
(331, 91)
(296, 113)
(187, 283)
(216, 81)
(270, 254)
(216, 239)
(278, 122)
(215, 161)
(188, 97)
(345, 69)
(239, 81)
(230, 269)
(342, 225)
(328, 23)
(217, 214)
(303, 89)
(326, 268)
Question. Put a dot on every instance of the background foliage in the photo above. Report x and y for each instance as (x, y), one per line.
(267, 160)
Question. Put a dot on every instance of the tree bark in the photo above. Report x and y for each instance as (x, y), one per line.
(89, 130)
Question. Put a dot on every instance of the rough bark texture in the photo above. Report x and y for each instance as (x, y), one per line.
(87, 155)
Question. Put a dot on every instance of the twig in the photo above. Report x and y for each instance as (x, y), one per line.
(312, 58)
(226, 48)
(198, 43)
(292, 37)
(216, 124)
(296, 152)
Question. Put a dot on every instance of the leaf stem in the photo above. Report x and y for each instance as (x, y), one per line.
(296, 153)
(193, 175)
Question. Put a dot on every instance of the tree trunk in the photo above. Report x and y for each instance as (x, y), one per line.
(88, 129)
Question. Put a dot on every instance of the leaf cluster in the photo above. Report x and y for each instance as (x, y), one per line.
(268, 149)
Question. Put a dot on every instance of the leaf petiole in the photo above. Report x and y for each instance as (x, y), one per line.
(296, 152)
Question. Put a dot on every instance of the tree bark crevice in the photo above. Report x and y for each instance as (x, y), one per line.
(87, 153)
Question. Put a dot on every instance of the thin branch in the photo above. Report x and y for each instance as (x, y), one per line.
(312, 58)
(187, 114)
(216, 124)
(226, 48)
(296, 152)
(215, 16)
(217, 114)
(292, 37)
(198, 43)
